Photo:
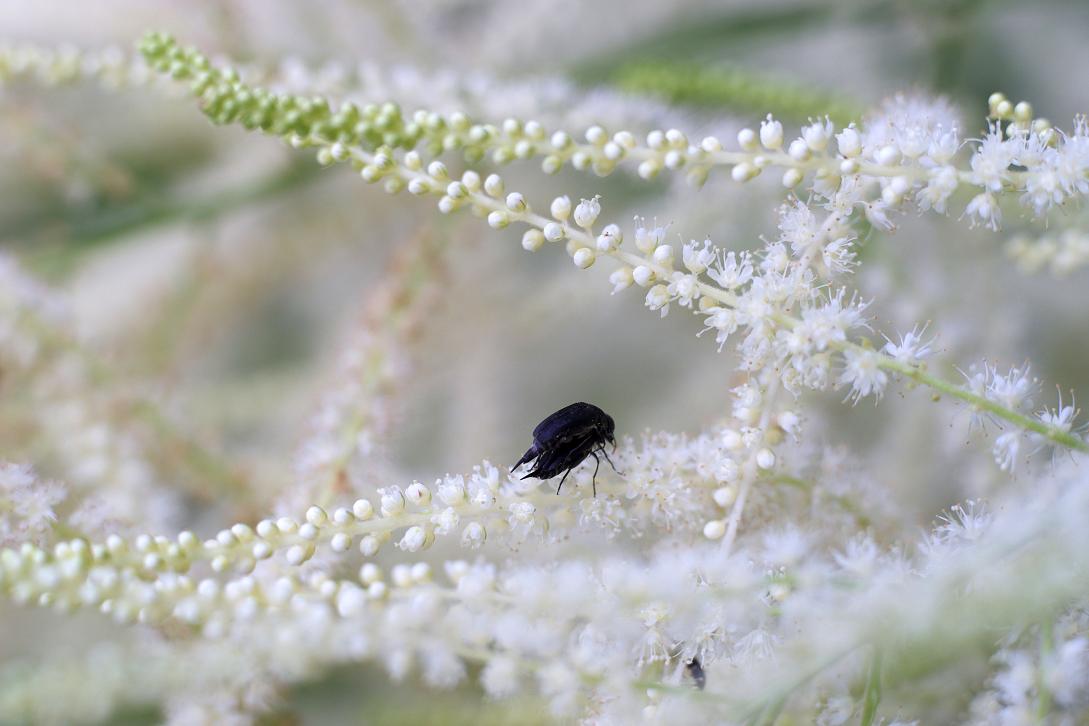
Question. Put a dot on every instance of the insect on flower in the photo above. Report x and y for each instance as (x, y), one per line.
(695, 669)
(564, 440)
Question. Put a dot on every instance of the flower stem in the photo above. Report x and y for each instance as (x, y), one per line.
(920, 375)
(871, 698)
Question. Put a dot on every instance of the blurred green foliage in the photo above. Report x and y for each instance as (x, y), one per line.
(734, 88)
(363, 695)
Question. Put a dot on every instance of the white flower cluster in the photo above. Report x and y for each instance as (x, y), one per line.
(578, 633)
(116, 437)
(1044, 668)
(670, 484)
(1014, 391)
(907, 154)
(106, 461)
(26, 505)
(112, 66)
(1061, 252)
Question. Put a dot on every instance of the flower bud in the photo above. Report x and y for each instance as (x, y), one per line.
(560, 140)
(621, 279)
(744, 171)
(473, 535)
(791, 178)
(771, 133)
(610, 238)
(583, 257)
(725, 496)
(658, 297)
(817, 135)
(553, 232)
(532, 240)
(888, 155)
(438, 170)
(715, 529)
(746, 139)
(710, 144)
(596, 135)
(849, 142)
(798, 150)
(765, 458)
(561, 208)
(586, 212)
(649, 169)
(643, 275)
(418, 494)
(493, 185)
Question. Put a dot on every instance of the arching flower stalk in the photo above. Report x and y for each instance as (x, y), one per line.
(907, 151)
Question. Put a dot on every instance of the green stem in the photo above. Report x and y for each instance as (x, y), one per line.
(67, 531)
(199, 458)
(114, 224)
(775, 701)
(732, 87)
(872, 696)
(770, 714)
(920, 375)
(1043, 701)
(843, 501)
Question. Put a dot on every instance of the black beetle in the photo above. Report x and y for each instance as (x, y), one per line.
(695, 669)
(563, 440)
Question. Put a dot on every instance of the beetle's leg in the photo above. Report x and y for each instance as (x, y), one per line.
(597, 465)
(606, 455)
(562, 481)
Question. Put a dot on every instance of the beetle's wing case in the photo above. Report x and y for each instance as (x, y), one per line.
(531, 453)
(567, 423)
(547, 464)
(557, 459)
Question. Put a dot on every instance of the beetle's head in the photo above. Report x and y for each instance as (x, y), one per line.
(607, 429)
